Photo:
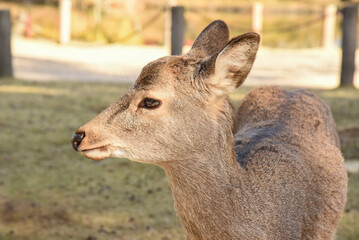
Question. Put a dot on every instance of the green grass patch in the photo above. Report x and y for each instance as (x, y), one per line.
(48, 191)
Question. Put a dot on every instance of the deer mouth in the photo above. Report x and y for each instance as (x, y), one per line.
(96, 153)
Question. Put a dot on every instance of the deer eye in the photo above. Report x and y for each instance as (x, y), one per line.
(150, 103)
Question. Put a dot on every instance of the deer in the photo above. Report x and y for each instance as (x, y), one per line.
(272, 169)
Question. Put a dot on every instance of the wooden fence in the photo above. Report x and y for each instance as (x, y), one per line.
(175, 24)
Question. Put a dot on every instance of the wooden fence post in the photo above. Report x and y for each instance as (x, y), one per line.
(349, 45)
(257, 17)
(177, 30)
(6, 69)
(330, 13)
(97, 11)
(65, 21)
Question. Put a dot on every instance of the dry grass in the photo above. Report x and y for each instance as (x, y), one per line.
(48, 191)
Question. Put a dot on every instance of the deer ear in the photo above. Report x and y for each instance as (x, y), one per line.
(211, 40)
(234, 62)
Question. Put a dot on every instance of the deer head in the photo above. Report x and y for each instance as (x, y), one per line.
(178, 104)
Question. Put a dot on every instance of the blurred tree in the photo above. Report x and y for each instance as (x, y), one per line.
(5, 44)
(349, 44)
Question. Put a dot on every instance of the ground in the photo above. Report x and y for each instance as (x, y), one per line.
(45, 61)
(49, 191)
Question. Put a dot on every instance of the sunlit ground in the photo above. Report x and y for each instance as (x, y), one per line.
(43, 61)
(48, 191)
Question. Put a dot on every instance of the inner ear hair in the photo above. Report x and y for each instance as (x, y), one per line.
(235, 61)
(206, 67)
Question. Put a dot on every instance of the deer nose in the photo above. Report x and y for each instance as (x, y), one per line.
(76, 139)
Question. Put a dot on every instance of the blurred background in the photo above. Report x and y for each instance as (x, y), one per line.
(111, 40)
(144, 21)
(63, 61)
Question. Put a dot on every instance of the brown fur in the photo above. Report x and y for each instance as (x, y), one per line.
(281, 176)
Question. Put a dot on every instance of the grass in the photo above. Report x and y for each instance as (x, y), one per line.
(48, 191)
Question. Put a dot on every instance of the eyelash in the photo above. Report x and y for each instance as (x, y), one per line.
(150, 103)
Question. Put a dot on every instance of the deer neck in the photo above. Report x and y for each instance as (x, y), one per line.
(200, 189)
(202, 186)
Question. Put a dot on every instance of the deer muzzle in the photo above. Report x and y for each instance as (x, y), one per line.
(76, 140)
